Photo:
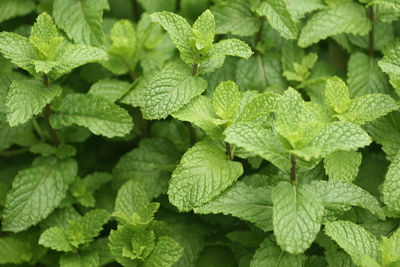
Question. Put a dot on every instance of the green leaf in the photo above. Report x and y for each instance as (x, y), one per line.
(335, 194)
(367, 108)
(342, 165)
(171, 89)
(150, 164)
(18, 50)
(297, 216)
(166, 252)
(231, 47)
(235, 17)
(270, 254)
(143, 243)
(354, 239)
(346, 17)
(92, 223)
(262, 142)
(226, 100)
(118, 240)
(337, 95)
(340, 136)
(14, 250)
(298, 9)
(278, 16)
(56, 238)
(85, 258)
(62, 151)
(28, 98)
(14, 8)
(204, 30)
(110, 89)
(81, 19)
(258, 107)
(245, 202)
(158, 5)
(97, 114)
(203, 174)
(391, 186)
(36, 192)
(365, 77)
(390, 248)
(132, 205)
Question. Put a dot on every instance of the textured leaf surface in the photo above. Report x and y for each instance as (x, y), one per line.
(269, 254)
(259, 106)
(337, 95)
(13, 8)
(390, 248)
(36, 192)
(92, 223)
(342, 165)
(231, 47)
(365, 77)
(14, 251)
(95, 113)
(203, 173)
(118, 240)
(354, 239)
(56, 238)
(170, 90)
(226, 100)
(110, 89)
(341, 136)
(260, 141)
(340, 18)
(85, 258)
(204, 30)
(391, 186)
(245, 202)
(297, 216)
(166, 252)
(81, 19)
(26, 99)
(336, 193)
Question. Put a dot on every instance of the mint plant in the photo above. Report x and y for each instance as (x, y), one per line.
(186, 133)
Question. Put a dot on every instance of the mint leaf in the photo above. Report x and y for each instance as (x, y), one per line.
(342, 165)
(337, 95)
(92, 223)
(56, 238)
(36, 192)
(165, 253)
(242, 201)
(297, 216)
(85, 258)
(226, 100)
(14, 8)
(259, 107)
(345, 17)
(118, 240)
(171, 89)
(204, 30)
(231, 47)
(14, 250)
(81, 20)
(97, 114)
(28, 98)
(110, 89)
(203, 173)
(354, 239)
(391, 187)
(390, 249)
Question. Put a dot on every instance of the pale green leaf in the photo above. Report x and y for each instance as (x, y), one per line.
(110, 89)
(14, 8)
(203, 173)
(55, 238)
(97, 114)
(270, 254)
(278, 16)
(354, 239)
(298, 9)
(81, 19)
(36, 192)
(235, 17)
(166, 252)
(297, 216)
(92, 223)
(390, 248)
(14, 250)
(365, 77)
(347, 17)
(231, 47)
(158, 5)
(342, 165)
(226, 100)
(391, 186)
(259, 106)
(337, 95)
(245, 202)
(28, 98)
(204, 30)
(390, 64)
(143, 243)
(118, 240)
(335, 194)
(171, 89)
(260, 141)
(84, 258)
(340, 136)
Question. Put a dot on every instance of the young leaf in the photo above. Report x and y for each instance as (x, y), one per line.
(36, 192)
(81, 20)
(391, 187)
(342, 165)
(297, 216)
(171, 89)
(354, 239)
(203, 174)
(345, 17)
(97, 114)
(118, 240)
(165, 253)
(226, 100)
(390, 248)
(27, 98)
(56, 238)
(14, 8)
(242, 201)
(204, 30)
(337, 95)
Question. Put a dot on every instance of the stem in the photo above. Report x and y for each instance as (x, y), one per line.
(293, 168)
(371, 41)
(46, 114)
(195, 69)
(13, 152)
(228, 151)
